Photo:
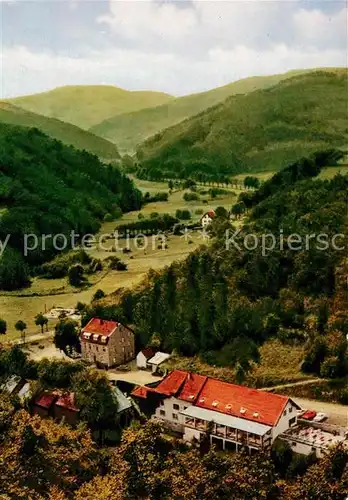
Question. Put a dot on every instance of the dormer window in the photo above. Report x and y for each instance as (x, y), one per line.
(96, 337)
(215, 403)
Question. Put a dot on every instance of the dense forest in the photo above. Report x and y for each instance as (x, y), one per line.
(264, 130)
(47, 188)
(226, 299)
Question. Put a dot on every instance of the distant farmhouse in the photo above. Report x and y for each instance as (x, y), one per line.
(207, 218)
(106, 343)
(151, 358)
(234, 416)
(144, 355)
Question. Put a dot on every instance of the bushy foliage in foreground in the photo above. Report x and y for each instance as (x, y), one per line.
(43, 460)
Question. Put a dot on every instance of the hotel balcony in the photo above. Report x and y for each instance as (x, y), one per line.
(225, 432)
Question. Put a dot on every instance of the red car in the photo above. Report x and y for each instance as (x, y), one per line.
(309, 415)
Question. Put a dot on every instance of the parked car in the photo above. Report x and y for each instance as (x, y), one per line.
(320, 417)
(309, 415)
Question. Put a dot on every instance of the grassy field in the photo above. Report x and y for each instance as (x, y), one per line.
(279, 363)
(87, 105)
(45, 294)
(65, 132)
(330, 172)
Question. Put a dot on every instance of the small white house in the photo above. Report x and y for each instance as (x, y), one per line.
(144, 356)
(157, 360)
(207, 218)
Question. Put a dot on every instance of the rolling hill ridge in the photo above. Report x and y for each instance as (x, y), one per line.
(127, 130)
(65, 132)
(87, 105)
(263, 130)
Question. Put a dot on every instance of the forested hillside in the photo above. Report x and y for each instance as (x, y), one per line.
(224, 301)
(49, 188)
(127, 130)
(264, 130)
(65, 132)
(87, 105)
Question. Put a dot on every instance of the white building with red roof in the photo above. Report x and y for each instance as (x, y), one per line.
(207, 218)
(234, 416)
(106, 343)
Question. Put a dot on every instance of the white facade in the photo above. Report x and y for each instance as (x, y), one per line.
(141, 360)
(206, 220)
(287, 420)
(169, 413)
(225, 431)
(228, 432)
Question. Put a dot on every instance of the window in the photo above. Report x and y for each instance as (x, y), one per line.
(175, 416)
(185, 407)
(162, 413)
(176, 407)
(104, 349)
(290, 409)
(122, 349)
(294, 444)
(284, 412)
(292, 421)
(162, 403)
(122, 340)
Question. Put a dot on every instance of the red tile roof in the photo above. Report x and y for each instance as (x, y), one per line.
(230, 399)
(171, 384)
(240, 401)
(46, 400)
(100, 326)
(67, 401)
(183, 385)
(142, 391)
(149, 352)
(211, 214)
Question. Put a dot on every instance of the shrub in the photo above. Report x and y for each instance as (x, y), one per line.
(183, 214)
(343, 397)
(75, 275)
(108, 217)
(116, 264)
(191, 197)
(99, 294)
